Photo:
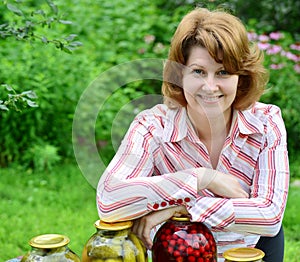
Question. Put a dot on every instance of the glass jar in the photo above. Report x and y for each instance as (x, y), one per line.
(181, 240)
(243, 254)
(114, 242)
(50, 248)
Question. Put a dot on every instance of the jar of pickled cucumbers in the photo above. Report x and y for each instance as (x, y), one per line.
(243, 254)
(50, 248)
(114, 242)
(179, 239)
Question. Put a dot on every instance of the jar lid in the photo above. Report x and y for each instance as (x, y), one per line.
(243, 254)
(100, 224)
(49, 241)
(181, 218)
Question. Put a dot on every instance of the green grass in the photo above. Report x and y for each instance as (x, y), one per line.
(32, 204)
(62, 201)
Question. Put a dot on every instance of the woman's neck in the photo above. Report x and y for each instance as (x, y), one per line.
(211, 128)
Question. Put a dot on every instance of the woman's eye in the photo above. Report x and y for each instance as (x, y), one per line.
(198, 71)
(223, 73)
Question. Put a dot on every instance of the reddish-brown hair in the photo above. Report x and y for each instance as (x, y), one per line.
(220, 33)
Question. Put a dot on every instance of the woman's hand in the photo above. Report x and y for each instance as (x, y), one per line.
(143, 226)
(220, 184)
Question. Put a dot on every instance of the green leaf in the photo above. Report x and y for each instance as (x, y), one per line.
(44, 39)
(70, 37)
(65, 22)
(31, 103)
(8, 87)
(75, 44)
(15, 10)
(30, 94)
(52, 6)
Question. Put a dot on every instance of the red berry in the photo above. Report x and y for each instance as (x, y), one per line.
(191, 259)
(165, 244)
(170, 250)
(200, 259)
(172, 242)
(163, 237)
(196, 253)
(176, 253)
(168, 231)
(207, 247)
(189, 250)
(168, 237)
(193, 231)
(182, 248)
(180, 241)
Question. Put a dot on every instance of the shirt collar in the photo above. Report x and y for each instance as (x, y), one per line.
(178, 124)
(248, 122)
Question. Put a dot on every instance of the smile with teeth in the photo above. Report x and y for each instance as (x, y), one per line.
(210, 98)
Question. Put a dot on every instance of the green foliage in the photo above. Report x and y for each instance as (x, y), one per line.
(43, 157)
(28, 22)
(111, 33)
(17, 101)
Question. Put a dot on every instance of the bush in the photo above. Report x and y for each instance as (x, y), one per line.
(112, 33)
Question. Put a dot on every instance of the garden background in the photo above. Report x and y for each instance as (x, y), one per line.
(51, 51)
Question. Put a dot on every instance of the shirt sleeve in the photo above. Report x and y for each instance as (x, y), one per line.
(129, 189)
(263, 212)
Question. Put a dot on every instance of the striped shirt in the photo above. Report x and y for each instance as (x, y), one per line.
(155, 168)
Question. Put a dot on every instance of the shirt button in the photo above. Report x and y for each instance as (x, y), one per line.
(187, 199)
(163, 204)
(171, 202)
(179, 201)
(156, 206)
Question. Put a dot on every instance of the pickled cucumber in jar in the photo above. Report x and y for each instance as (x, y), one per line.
(114, 242)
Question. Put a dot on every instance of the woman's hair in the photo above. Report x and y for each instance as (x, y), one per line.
(225, 38)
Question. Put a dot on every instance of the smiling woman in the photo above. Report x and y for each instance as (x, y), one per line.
(212, 151)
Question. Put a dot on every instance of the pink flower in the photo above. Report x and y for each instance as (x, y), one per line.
(275, 35)
(297, 68)
(263, 46)
(292, 56)
(276, 66)
(149, 39)
(274, 49)
(295, 46)
(252, 36)
(263, 38)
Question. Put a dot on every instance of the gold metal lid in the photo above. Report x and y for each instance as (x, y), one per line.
(181, 218)
(49, 241)
(243, 254)
(100, 224)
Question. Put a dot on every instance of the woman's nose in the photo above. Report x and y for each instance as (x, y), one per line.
(210, 84)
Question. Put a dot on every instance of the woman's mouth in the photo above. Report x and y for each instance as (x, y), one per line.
(209, 99)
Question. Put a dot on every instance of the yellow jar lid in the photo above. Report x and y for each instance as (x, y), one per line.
(182, 218)
(100, 224)
(243, 254)
(49, 241)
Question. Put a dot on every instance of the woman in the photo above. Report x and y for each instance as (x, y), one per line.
(211, 151)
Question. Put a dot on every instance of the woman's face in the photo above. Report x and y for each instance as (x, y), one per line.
(208, 88)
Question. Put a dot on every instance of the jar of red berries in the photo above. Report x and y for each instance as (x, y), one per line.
(181, 240)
